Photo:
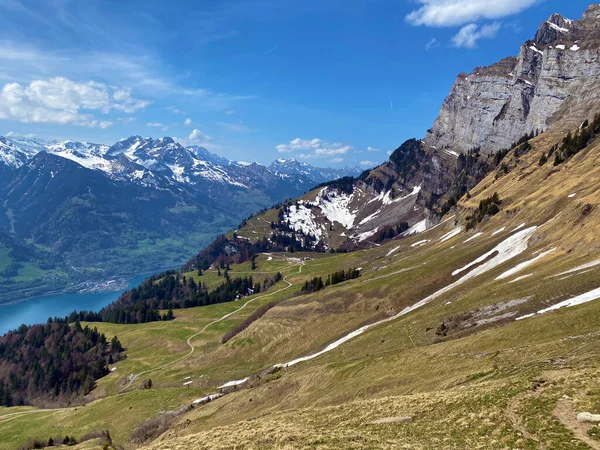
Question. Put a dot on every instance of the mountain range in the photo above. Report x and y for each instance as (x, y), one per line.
(147, 161)
(128, 208)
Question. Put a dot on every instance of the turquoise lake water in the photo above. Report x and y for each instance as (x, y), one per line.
(38, 309)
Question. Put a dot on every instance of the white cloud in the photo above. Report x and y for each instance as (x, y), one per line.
(336, 160)
(61, 101)
(371, 149)
(187, 122)
(13, 134)
(198, 136)
(317, 148)
(432, 43)
(298, 144)
(229, 112)
(468, 35)
(127, 119)
(235, 127)
(176, 110)
(443, 13)
(124, 101)
(142, 71)
(335, 150)
(368, 163)
(157, 125)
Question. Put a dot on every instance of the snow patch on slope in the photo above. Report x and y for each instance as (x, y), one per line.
(388, 201)
(509, 248)
(418, 227)
(301, 219)
(498, 231)
(557, 28)
(234, 383)
(522, 277)
(335, 207)
(395, 249)
(366, 235)
(579, 300)
(451, 234)
(582, 267)
(475, 236)
(208, 398)
(525, 264)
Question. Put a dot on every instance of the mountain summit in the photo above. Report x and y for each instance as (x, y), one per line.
(492, 107)
(553, 82)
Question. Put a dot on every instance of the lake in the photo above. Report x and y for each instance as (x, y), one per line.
(38, 309)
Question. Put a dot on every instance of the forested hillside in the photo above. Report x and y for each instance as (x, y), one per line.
(53, 363)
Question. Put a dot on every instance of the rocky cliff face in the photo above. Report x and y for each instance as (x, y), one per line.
(494, 106)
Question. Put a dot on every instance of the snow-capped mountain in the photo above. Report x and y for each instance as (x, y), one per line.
(205, 155)
(16, 152)
(160, 162)
(292, 166)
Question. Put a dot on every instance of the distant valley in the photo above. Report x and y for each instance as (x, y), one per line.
(74, 212)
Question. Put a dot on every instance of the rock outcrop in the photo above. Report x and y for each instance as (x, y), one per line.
(494, 106)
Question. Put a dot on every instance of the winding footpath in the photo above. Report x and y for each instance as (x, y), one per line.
(226, 316)
(188, 341)
(32, 411)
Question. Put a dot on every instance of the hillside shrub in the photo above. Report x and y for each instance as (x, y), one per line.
(488, 207)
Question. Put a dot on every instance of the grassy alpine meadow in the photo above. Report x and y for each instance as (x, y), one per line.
(497, 388)
(120, 414)
(155, 344)
(257, 227)
(458, 369)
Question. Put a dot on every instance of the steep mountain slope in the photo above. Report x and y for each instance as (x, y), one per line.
(403, 196)
(62, 205)
(468, 319)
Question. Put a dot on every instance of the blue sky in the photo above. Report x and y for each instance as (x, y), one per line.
(331, 82)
